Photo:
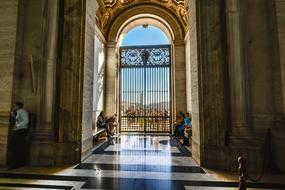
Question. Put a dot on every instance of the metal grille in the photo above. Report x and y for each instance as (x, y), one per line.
(145, 89)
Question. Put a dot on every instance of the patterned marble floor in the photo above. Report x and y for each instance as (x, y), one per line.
(128, 162)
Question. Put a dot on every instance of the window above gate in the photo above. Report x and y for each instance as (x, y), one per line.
(144, 56)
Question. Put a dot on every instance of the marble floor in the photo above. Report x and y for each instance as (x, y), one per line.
(127, 162)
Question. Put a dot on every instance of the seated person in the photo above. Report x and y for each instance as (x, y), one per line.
(178, 124)
(187, 132)
(17, 137)
(189, 127)
(187, 123)
(112, 122)
(102, 121)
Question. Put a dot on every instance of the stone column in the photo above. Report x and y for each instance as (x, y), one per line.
(241, 141)
(210, 71)
(8, 30)
(278, 131)
(43, 135)
(49, 58)
(236, 67)
(178, 77)
(110, 78)
(87, 109)
(71, 83)
(65, 149)
(196, 142)
(188, 71)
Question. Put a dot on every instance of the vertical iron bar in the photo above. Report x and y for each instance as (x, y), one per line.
(122, 107)
(163, 99)
(129, 103)
(170, 92)
(157, 98)
(136, 98)
(144, 95)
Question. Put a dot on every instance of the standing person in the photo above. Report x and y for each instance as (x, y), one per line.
(20, 115)
(17, 140)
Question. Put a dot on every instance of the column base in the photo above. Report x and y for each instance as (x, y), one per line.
(44, 151)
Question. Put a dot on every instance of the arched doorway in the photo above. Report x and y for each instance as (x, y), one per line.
(145, 82)
(155, 16)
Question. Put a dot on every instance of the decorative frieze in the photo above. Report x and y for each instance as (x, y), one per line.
(109, 9)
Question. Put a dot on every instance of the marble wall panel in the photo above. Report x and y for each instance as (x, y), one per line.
(278, 130)
(8, 34)
(87, 112)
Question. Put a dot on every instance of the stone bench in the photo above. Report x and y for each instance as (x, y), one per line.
(97, 133)
(187, 136)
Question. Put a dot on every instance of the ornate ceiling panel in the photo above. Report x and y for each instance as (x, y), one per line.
(109, 9)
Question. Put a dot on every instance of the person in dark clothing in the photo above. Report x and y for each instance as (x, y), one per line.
(178, 124)
(112, 122)
(102, 121)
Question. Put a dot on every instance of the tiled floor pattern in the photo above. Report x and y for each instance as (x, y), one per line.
(128, 162)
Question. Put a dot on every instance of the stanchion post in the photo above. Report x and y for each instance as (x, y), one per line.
(242, 173)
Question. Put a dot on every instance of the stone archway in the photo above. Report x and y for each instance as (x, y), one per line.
(161, 18)
(208, 75)
(207, 54)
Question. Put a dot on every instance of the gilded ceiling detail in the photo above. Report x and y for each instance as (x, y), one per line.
(110, 9)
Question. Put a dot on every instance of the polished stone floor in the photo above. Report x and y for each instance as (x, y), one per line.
(128, 162)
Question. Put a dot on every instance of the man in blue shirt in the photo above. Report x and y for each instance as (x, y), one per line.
(187, 122)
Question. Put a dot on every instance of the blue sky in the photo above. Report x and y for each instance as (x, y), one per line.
(145, 36)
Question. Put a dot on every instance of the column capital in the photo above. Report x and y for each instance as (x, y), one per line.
(178, 42)
(111, 44)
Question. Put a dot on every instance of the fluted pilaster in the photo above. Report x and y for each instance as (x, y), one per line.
(209, 101)
(236, 64)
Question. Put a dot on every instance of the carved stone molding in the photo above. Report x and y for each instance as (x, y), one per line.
(4, 119)
(109, 9)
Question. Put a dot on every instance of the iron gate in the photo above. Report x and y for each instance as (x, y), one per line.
(145, 98)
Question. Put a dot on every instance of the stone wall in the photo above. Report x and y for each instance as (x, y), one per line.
(280, 15)
(8, 31)
(259, 61)
(99, 69)
(241, 77)
(179, 78)
(30, 44)
(87, 110)
(194, 80)
(278, 130)
(263, 79)
(111, 79)
(188, 71)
